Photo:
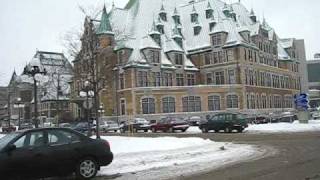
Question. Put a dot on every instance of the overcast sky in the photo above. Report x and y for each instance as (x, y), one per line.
(28, 25)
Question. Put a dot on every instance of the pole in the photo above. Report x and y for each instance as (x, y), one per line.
(88, 118)
(58, 104)
(19, 120)
(35, 103)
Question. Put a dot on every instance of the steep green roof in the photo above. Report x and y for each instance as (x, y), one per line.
(105, 26)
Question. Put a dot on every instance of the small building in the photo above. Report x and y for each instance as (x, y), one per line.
(314, 80)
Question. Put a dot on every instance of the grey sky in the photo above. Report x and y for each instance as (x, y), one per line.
(39, 24)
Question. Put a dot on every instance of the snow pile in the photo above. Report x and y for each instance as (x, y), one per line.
(313, 125)
(172, 156)
(1, 135)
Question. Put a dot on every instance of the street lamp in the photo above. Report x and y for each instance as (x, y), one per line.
(19, 105)
(33, 71)
(101, 112)
(87, 93)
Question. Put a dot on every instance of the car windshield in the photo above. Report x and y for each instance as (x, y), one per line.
(6, 139)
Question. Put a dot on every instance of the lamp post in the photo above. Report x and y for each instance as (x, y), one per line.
(101, 112)
(33, 71)
(19, 105)
(87, 93)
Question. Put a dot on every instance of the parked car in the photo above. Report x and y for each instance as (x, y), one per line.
(194, 120)
(288, 118)
(82, 127)
(170, 124)
(224, 121)
(25, 126)
(138, 124)
(110, 126)
(65, 125)
(8, 129)
(48, 152)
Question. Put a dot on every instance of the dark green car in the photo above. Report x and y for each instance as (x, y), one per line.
(224, 121)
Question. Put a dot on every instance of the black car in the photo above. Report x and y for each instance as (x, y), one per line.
(139, 124)
(51, 152)
(25, 126)
(224, 121)
(82, 127)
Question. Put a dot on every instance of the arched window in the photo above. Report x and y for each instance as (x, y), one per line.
(214, 103)
(232, 101)
(191, 104)
(148, 106)
(168, 105)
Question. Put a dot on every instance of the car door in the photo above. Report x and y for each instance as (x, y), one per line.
(65, 147)
(29, 159)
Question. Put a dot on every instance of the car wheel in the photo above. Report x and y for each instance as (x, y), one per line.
(87, 168)
(153, 130)
(227, 130)
(146, 130)
(204, 130)
(184, 130)
(115, 131)
(122, 131)
(240, 130)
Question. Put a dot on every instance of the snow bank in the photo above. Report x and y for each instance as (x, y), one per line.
(1, 135)
(178, 155)
(313, 125)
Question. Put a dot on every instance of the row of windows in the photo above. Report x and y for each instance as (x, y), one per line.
(256, 101)
(161, 79)
(218, 78)
(257, 78)
(218, 57)
(189, 104)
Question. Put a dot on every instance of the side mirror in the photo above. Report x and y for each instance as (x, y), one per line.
(10, 148)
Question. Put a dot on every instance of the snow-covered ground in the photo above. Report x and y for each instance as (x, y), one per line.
(313, 125)
(171, 157)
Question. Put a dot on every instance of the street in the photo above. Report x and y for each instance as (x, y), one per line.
(297, 157)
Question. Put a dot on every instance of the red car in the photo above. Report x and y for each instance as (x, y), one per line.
(8, 129)
(170, 124)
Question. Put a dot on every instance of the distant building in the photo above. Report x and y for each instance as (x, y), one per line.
(53, 90)
(183, 57)
(314, 80)
(3, 102)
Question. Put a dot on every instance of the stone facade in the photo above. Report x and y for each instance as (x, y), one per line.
(241, 68)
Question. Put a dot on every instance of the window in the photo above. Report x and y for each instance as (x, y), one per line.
(191, 79)
(123, 107)
(229, 55)
(34, 139)
(253, 102)
(215, 58)
(180, 79)
(148, 106)
(219, 78)
(121, 55)
(156, 79)
(59, 137)
(167, 79)
(232, 76)
(214, 103)
(168, 105)
(191, 104)
(209, 13)
(232, 101)
(221, 57)
(196, 30)
(154, 56)
(207, 58)
(178, 59)
(121, 79)
(209, 78)
(194, 17)
(216, 39)
(142, 79)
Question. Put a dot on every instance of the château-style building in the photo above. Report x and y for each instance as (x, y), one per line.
(172, 57)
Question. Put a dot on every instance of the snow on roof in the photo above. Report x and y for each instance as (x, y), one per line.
(141, 16)
(286, 43)
(282, 53)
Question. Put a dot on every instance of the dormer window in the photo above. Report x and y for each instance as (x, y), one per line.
(216, 39)
(163, 16)
(160, 29)
(196, 30)
(209, 13)
(211, 25)
(194, 17)
(154, 56)
(176, 19)
(178, 59)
